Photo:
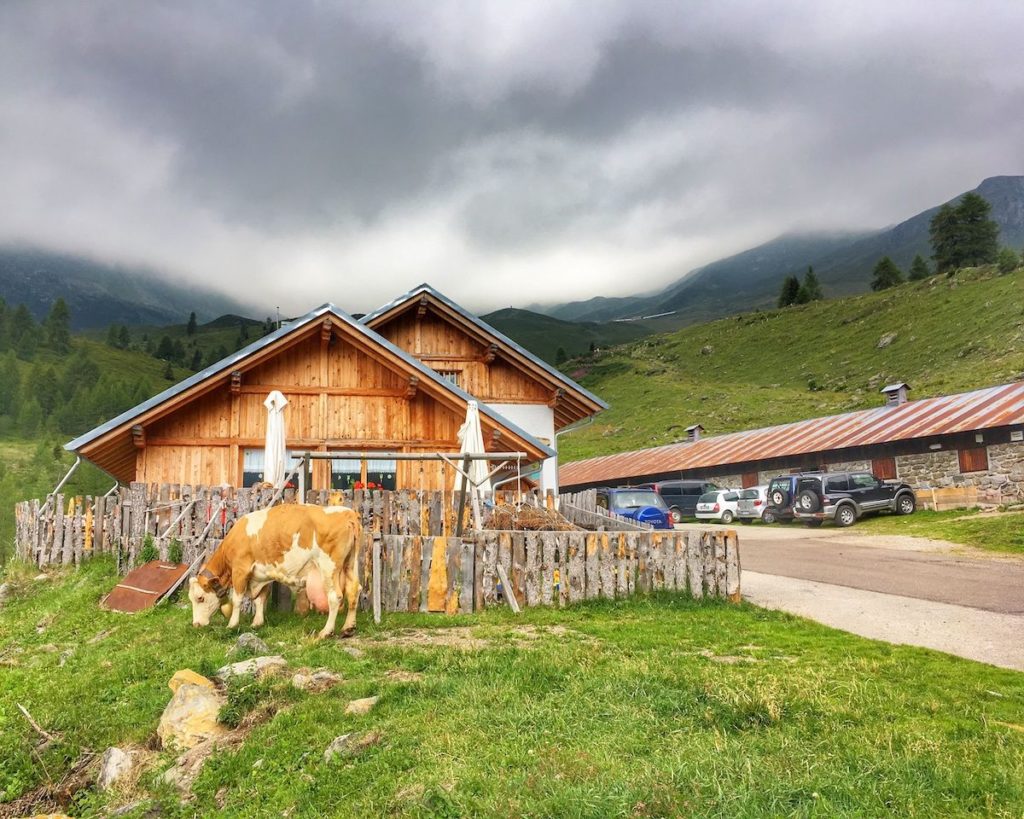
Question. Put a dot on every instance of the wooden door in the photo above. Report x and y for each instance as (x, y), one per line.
(749, 479)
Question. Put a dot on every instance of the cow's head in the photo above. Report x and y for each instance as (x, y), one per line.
(204, 602)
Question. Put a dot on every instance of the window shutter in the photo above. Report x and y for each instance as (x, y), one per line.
(974, 459)
(884, 468)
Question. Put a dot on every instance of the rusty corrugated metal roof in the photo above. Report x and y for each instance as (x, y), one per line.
(981, 409)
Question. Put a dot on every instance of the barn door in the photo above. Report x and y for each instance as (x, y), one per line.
(749, 479)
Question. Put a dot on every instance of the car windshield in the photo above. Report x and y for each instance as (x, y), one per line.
(748, 494)
(638, 497)
(779, 483)
(708, 497)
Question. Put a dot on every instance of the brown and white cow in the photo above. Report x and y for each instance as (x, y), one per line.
(292, 544)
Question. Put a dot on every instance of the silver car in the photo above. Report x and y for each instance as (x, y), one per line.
(753, 505)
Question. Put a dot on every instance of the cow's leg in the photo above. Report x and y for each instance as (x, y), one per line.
(351, 580)
(239, 585)
(259, 601)
(329, 570)
(236, 607)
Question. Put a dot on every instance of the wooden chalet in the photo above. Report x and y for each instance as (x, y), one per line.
(348, 388)
(467, 351)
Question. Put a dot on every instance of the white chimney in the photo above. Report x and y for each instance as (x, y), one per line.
(895, 394)
(693, 433)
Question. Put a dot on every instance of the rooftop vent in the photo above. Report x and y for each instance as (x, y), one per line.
(895, 394)
(693, 433)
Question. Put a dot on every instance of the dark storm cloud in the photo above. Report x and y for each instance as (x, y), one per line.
(511, 153)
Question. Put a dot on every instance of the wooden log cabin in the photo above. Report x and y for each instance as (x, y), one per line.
(349, 388)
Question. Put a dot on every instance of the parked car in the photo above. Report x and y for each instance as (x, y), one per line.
(719, 504)
(782, 492)
(753, 505)
(844, 497)
(681, 496)
(641, 505)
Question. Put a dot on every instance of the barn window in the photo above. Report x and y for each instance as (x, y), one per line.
(749, 479)
(974, 459)
(884, 468)
(451, 376)
(252, 466)
(347, 473)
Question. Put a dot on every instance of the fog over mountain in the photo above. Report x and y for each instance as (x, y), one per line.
(536, 152)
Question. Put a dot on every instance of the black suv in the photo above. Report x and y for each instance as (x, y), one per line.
(840, 496)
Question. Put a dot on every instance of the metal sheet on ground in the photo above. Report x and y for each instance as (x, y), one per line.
(143, 586)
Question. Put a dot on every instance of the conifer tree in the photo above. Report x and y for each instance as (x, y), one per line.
(191, 328)
(790, 291)
(1008, 260)
(886, 275)
(919, 269)
(964, 235)
(197, 359)
(58, 327)
(810, 290)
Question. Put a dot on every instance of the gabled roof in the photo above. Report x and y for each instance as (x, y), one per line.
(226, 365)
(391, 308)
(927, 417)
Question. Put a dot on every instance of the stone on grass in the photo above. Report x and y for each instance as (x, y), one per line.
(353, 652)
(886, 340)
(5, 592)
(258, 667)
(115, 764)
(250, 643)
(360, 707)
(49, 648)
(351, 745)
(190, 677)
(316, 681)
(191, 717)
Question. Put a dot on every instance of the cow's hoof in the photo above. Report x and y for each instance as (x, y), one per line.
(347, 632)
(320, 635)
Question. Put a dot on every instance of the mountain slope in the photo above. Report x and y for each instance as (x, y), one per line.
(544, 335)
(100, 294)
(843, 262)
(759, 369)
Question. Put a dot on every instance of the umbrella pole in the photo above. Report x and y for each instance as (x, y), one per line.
(462, 496)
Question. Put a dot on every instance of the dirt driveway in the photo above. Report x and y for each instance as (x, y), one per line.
(899, 589)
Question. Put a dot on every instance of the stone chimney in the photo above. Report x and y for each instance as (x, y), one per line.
(895, 394)
(693, 433)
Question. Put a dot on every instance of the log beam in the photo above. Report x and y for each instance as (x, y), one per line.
(139, 436)
(412, 387)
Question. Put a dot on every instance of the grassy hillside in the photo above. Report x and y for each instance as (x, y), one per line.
(656, 706)
(765, 368)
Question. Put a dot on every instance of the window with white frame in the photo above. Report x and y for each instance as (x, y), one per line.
(347, 473)
(252, 466)
(451, 376)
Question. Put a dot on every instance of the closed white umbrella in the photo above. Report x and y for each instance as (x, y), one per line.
(274, 454)
(471, 439)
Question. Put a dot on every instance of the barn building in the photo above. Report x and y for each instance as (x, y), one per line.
(974, 439)
(397, 381)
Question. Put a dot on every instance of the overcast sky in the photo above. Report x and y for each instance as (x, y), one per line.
(507, 152)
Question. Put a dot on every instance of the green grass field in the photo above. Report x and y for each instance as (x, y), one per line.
(765, 368)
(652, 707)
(992, 532)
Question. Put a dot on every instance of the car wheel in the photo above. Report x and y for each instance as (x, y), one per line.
(726, 516)
(768, 517)
(808, 501)
(778, 498)
(846, 515)
(905, 505)
(677, 515)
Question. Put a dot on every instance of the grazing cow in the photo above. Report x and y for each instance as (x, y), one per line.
(292, 544)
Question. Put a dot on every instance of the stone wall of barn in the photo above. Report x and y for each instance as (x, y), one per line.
(1002, 482)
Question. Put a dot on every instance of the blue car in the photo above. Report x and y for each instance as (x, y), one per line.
(641, 505)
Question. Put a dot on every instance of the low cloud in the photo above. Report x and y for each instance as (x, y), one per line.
(290, 155)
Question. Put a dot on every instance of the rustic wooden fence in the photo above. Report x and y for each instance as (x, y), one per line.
(66, 530)
(543, 568)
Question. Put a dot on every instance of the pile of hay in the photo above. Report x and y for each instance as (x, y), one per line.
(527, 518)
